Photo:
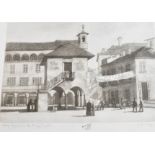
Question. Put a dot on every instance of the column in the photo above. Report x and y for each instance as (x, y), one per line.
(138, 94)
(65, 101)
(76, 100)
(80, 100)
(84, 98)
(54, 100)
(15, 99)
(60, 100)
(3, 99)
(79, 103)
(27, 98)
(42, 101)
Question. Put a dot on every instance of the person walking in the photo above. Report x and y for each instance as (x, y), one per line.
(134, 106)
(141, 106)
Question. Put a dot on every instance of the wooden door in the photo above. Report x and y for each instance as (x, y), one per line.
(68, 66)
(144, 91)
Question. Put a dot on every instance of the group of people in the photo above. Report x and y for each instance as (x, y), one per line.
(32, 106)
(92, 105)
(135, 106)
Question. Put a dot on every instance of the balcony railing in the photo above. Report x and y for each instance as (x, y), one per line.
(69, 76)
(64, 76)
(116, 77)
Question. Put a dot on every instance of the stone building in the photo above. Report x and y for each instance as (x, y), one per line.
(116, 51)
(54, 72)
(130, 76)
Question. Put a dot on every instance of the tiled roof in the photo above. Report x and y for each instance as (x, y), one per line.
(37, 46)
(143, 52)
(69, 50)
(114, 50)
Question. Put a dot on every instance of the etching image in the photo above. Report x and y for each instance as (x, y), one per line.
(90, 76)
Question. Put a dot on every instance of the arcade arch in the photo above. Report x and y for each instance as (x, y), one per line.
(79, 96)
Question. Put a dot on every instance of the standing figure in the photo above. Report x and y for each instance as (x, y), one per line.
(29, 105)
(36, 105)
(102, 105)
(134, 105)
(121, 103)
(114, 103)
(141, 106)
(92, 109)
(88, 108)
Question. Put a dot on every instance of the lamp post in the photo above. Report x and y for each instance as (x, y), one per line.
(37, 99)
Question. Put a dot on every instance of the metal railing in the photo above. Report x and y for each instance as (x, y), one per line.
(64, 76)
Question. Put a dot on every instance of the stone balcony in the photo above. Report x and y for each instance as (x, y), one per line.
(116, 77)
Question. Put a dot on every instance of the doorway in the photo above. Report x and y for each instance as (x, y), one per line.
(68, 69)
(144, 90)
(68, 66)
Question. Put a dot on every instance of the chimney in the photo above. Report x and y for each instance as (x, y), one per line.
(151, 42)
(119, 39)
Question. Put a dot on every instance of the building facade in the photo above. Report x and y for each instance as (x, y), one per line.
(59, 69)
(127, 77)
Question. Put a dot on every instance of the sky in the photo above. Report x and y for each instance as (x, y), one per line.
(101, 35)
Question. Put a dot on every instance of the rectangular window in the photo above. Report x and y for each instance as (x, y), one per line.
(103, 72)
(142, 67)
(120, 69)
(36, 81)
(108, 72)
(11, 81)
(24, 81)
(113, 71)
(37, 68)
(25, 68)
(128, 67)
(104, 61)
(127, 94)
(12, 69)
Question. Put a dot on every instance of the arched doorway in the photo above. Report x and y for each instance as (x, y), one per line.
(59, 97)
(70, 98)
(79, 96)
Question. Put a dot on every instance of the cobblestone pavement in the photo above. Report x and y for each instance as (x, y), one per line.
(75, 120)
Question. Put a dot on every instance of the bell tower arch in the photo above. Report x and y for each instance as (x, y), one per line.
(82, 38)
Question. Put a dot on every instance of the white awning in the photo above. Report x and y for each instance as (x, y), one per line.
(116, 77)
